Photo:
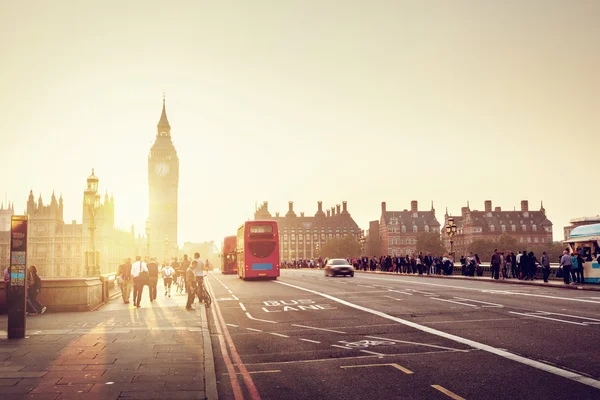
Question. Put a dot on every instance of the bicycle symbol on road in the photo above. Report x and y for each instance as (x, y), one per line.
(366, 343)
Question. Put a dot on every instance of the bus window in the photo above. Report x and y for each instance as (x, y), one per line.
(261, 249)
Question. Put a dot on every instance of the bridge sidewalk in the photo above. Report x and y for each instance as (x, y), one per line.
(158, 351)
(557, 283)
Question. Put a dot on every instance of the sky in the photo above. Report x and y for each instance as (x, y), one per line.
(331, 100)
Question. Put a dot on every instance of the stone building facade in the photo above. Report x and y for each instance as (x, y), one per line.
(301, 236)
(398, 230)
(527, 227)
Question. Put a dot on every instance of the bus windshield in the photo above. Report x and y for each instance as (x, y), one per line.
(262, 249)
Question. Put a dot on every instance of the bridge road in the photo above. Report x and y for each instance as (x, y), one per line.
(372, 336)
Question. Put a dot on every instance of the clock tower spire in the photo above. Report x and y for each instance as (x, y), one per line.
(163, 183)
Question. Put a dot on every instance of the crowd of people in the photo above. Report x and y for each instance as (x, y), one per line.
(187, 275)
(503, 265)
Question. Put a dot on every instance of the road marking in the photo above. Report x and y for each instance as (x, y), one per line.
(311, 341)
(482, 302)
(254, 330)
(235, 326)
(425, 293)
(452, 301)
(507, 292)
(447, 392)
(390, 297)
(399, 291)
(367, 286)
(259, 372)
(571, 316)
(318, 329)
(548, 318)
(490, 349)
(258, 319)
(277, 334)
(418, 344)
(397, 366)
(341, 347)
(372, 352)
(243, 307)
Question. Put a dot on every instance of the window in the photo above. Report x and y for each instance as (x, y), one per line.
(503, 228)
(543, 240)
(524, 227)
(535, 240)
(520, 240)
(528, 240)
(414, 228)
(403, 229)
(534, 228)
(426, 228)
(514, 229)
(492, 228)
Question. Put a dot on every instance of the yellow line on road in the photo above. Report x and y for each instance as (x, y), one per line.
(398, 367)
(259, 372)
(447, 392)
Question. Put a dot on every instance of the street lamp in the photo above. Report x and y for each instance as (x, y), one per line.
(451, 229)
(148, 229)
(362, 242)
(91, 199)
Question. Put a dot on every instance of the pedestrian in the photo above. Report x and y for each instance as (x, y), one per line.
(139, 273)
(495, 264)
(124, 272)
(545, 261)
(580, 262)
(152, 278)
(190, 279)
(167, 273)
(566, 264)
(34, 288)
(6, 283)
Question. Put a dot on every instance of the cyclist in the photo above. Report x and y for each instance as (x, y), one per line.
(167, 273)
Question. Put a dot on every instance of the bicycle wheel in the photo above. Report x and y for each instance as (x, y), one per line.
(206, 297)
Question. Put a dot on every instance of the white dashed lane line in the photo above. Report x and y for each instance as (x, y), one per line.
(311, 341)
(278, 334)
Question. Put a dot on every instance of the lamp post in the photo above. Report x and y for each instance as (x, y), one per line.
(148, 230)
(451, 229)
(362, 242)
(91, 199)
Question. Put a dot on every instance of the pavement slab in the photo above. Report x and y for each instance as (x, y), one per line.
(115, 352)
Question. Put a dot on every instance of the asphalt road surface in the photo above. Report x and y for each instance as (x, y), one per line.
(306, 336)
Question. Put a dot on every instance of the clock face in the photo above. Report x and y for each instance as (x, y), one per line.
(162, 169)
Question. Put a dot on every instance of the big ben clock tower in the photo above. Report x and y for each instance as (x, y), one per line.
(163, 182)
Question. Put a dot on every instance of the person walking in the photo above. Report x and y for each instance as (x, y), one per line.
(190, 279)
(566, 264)
(580, 263)
(139, 273)
(6, 283)
(167, 273)
(34, 288)
(152, 278)
(124, 272)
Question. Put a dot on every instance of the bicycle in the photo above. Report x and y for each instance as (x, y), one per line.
(206, 297)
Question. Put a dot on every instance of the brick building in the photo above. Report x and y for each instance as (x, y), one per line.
(372, 243)
(300, 237)
(527, 227)
(398, 230)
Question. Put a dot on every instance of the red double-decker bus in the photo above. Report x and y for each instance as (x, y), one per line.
(258, 250)
(228, 256)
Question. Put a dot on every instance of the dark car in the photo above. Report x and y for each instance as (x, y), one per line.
(338, 266)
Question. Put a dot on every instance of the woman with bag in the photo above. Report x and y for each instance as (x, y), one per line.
(34, 288)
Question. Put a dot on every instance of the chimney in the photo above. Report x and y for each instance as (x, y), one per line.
(383, 207)
(291, 206)
(320, 206)
(524, 205)
(302, 213)
(277, 214)
(464, 210)
(498, 209)
(344, 207)
(414, 206)
(328, 213)
(488, 206)
(332, 211)
(337, 209)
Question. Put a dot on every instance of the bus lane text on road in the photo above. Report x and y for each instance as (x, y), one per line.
(294, 305)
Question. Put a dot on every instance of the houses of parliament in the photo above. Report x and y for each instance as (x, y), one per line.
(58, 247)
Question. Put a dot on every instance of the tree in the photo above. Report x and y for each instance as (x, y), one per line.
(430, 242)
(483, 248)
(343, 247)
(507, 242)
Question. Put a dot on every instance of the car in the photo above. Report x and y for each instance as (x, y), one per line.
(338, 266)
